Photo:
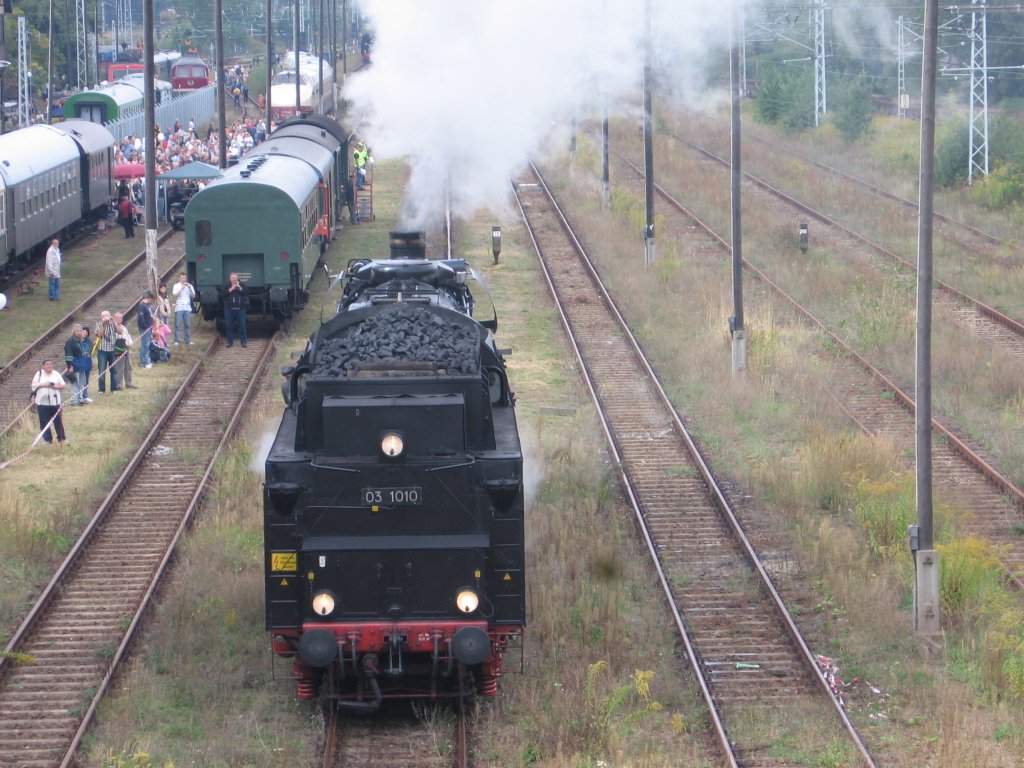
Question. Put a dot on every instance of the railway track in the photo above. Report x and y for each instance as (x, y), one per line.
(971, 308)
(954, 225)
(32, 268)
(400, 736)
(121, 292)
(421, 735)
(62, 659)
(880, 406)
(741, 641)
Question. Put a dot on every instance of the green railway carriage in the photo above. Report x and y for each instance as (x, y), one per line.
(324, 131)
(328, 131)
(268, 218)
(111, 101)
(261, 223)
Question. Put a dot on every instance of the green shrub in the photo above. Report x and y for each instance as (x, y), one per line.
(854, 111)
(770, 104)
(951, 155)
(884, 509)
(785, 97)
(1002, 188)
(1002, 657)
(131, 757)
(970, 577)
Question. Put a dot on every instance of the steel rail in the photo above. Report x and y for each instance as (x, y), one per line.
(993, 475)
(991, 312)
(884, 193)
(781, 611)
(65, 573)
(996, 477)
(187, 517)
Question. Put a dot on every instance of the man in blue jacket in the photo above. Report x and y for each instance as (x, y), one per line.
(145, 328)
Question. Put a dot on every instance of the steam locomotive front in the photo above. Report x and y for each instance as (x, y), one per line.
(395, 512)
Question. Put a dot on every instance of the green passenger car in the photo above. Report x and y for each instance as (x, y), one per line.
(260, 220)
(111, 101)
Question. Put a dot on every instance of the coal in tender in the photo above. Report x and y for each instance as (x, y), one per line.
(401, 334)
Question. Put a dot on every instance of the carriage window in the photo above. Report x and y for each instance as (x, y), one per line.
(204, 233)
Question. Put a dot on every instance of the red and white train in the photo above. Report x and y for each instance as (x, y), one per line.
(309, 74)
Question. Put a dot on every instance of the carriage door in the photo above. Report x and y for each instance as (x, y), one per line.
(94, 113)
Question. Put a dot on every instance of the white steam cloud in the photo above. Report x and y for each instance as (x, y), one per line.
(469, 90)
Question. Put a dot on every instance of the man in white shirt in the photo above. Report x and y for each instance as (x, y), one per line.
(184, 294)
(53, 260)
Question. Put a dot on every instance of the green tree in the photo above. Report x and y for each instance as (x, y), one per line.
(799, 88)
(951, 155)
(853, 110)
(785, 96)
(770, 103)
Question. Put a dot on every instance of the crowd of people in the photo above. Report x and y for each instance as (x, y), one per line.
(237, 80)
(107, 348)
(183, 144)
(175, 148)
(112, 344)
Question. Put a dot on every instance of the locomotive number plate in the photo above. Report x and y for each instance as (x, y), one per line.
(388, 497)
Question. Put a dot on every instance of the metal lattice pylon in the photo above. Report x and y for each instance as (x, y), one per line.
(24, 82)
(820, 97)
(81, 41)
(908, 38)
(979, 93)
(125, 32)
(743, 52)
(902, 96)
(777, 28)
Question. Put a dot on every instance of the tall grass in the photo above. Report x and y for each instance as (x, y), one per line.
(583, 698)
(884, 508)
(843, 499)
(203, 685)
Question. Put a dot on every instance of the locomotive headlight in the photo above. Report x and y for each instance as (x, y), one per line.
(392, 445)
(467, 600)
(323, 603)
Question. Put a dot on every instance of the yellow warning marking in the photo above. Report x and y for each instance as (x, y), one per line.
(284, 583)
(374, 508)
(284, 561)
(508, 577)
(476, 574)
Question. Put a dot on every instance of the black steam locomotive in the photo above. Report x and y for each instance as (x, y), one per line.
(393, 505)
